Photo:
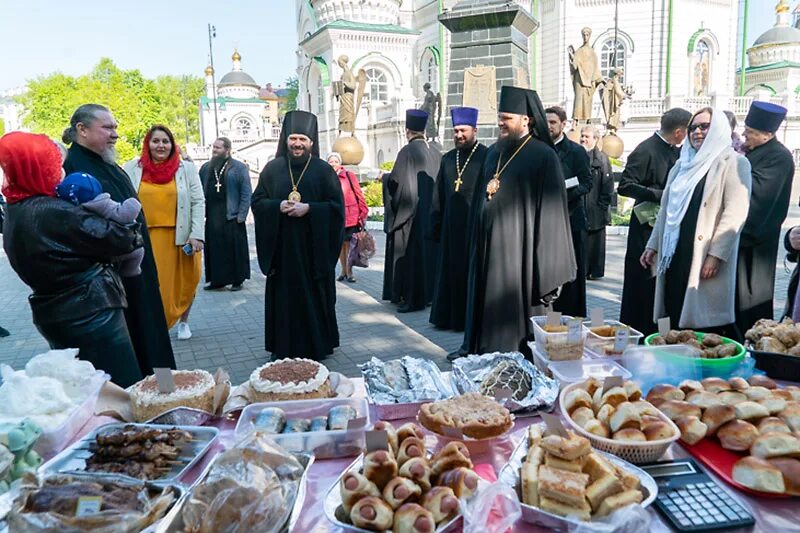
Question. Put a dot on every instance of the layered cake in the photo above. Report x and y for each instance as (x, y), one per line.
(291, 379)
(193, 388)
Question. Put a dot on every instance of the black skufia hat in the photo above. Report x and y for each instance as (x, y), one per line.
(526, 102)
(416, 119)
(765, 116)
(298, 122)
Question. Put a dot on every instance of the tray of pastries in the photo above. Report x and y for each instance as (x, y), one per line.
(776, 347)
(471, 415)
(403, 488)
(746, 431)
(617, 420)
(562, 482)
(160, 454)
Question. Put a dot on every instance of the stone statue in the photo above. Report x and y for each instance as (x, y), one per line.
(613, 94)
(585, 70)
(349, 91)
(433, 106)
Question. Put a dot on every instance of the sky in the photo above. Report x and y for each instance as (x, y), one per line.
(39, 37)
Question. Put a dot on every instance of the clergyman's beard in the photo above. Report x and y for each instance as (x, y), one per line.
(218, 160)
(109, 155)
(511, 141)
(301, 157)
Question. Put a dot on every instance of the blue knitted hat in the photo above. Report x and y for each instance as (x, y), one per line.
(79, 188)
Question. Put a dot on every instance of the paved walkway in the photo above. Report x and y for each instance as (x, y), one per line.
(228, 327)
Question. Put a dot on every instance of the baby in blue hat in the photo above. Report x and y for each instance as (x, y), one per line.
(83, 189)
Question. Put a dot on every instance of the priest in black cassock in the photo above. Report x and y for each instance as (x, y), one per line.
(521, 251)
(93, 135)
(578, 176)
(409, 261)
(299, 215)
(459, 172)
(772, 168)
(644, 179)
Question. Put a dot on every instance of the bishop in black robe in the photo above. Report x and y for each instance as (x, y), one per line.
(449, 219)
(643, 179)
(298, 254)
(145, 313)
(521, 251)
(409, 191)
(772, 168)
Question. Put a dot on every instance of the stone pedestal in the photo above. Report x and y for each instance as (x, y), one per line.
(489, 43)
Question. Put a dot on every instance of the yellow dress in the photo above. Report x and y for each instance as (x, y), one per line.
(178, 273)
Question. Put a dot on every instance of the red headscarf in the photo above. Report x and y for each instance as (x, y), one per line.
(164, 172)
(31, 164)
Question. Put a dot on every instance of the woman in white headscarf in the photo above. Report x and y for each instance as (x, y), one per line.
(695, 241)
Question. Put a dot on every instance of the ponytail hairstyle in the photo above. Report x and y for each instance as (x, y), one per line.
(85, 114)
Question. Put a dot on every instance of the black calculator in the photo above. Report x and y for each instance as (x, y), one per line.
(692, 501)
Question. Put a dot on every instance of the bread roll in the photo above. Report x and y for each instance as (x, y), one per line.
(690, 385)
(677, 409)
(715, 384)
(657, 431)
(791, 415)
(717, 415)
(790, 468)
(614, 396)
(372, 513)
(595, 427)
(693, 430)
(605, 412)
(749, 410)
(618, 501)
(664, 392)
(630, 435)
(757, 393)
(646, 408)
(773, 423)
(775, 444)
(783, 394)
(737, 435)
(566, 448)
(417, 470)
(355, 486)
(413, 518)
(410, 429)
(581, 415)
(773, 405)
(591, 385)
(453, 455)
(625, 416)
(758, 474)
(703, 399)
(762, 381)
(410, 447)
(576, 398)
(400, 490)
(441, 502)
(730, 397)
(738, 384)
(601, 489)
(464, 481)
(633, 391)
(794, 390)
(380, 467)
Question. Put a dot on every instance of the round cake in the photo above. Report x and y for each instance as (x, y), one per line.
(193, 388)
(290, 379)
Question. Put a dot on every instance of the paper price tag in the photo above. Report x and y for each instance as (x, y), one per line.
(612, 381)
(164, 380)
(377, 440)
(356, 423)
(553, 318)
(597, 317)
(554, 425)
(621, 339)
(88, 505)
(664, 326)
(574, 330)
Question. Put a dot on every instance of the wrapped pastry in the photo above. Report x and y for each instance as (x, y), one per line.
(319, 423)
(297, 425)
(409, 429)
(770, 344)
(391, 432)
(453, 455)
(372, 513)
(441, 502)
(410, 447)
(417, 470)
(355, 486)
(401, 490)
(380, 467)
(413, 518)
(339, 415)
(270, 420)
(462, 480)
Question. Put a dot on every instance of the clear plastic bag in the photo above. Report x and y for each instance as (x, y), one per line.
(630, 519)
(493, 509)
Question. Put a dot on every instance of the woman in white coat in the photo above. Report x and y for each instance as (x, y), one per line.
(695, 240)
(174, 207)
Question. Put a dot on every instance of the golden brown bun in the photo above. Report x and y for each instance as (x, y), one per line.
(715, 384)
(790, 468)
(363, 487)
(677, 409)
(441, 502)
(791, 415)
(625, 416)
(794, 390)
(409, 517)
(730, 397)
(605, 412)
(380, 467)
(717, 415)
(756, 392)
(383, 514)
(576, 398)
(595, 427)
(775, 444)
(591, 385)
(411, 489)
(410, 429)
(750, 410)
(630, 435)
(690, 385)
(614, 396)
(633, 391)
(581, 415)
(773, 405)
(566, 448)
(783, 394)
(773, 423)
(703, 399)
(737, 435)
(663, 392)
(618, 501)
(657, 431)
(693, 430)
(762, 381)
(738, 383)
(758, 474)
(646, 408)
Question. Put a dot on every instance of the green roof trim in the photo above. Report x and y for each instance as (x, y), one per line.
(349, 25)
(324, 73)
(772, 66)
(311, 11)
(223, 100)
(693, 40)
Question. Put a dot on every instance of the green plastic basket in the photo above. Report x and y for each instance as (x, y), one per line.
(713, 367)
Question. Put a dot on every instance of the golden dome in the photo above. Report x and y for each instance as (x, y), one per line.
(782, 7)
(236, 56)
(209, 70)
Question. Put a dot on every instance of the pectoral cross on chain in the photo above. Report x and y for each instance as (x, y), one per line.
(458, 183)
(218, 186)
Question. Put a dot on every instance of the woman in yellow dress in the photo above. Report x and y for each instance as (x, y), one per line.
(174, 207)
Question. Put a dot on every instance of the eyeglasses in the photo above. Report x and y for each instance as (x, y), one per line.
(702, 125)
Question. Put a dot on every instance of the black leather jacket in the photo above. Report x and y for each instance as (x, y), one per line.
(64, 253)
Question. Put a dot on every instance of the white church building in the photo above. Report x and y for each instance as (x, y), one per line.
(684, 56)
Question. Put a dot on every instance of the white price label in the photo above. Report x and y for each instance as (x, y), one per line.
(88, 505)
(621, 339)
(597, 317)
(574, 330)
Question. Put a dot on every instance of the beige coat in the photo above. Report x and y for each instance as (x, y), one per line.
(190, 222)
(726, 201)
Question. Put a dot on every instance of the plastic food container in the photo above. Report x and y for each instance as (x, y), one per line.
(651, 365)
(713, 367)
(326, 444)
(567, 372)
(559, 346)
(611, 347)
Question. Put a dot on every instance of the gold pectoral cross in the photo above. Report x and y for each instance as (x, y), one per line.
(458, 183)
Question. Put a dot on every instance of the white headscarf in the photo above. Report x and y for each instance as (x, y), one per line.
(692, 166)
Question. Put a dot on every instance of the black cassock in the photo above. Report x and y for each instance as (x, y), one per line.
(643, 179)
(298, 256)
(449, 227)
(521, 249)
(410, 260)
(575, 164)
(598, 215)
(144, 316)
(772, 167)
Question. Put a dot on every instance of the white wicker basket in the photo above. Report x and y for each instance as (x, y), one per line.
(633, 452)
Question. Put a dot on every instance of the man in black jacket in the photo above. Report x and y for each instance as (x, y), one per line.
(598, 201)
(578, 180)
(644, 179)
(772, 167)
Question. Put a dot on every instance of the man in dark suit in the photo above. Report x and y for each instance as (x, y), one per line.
(578, 180)
(598, 200)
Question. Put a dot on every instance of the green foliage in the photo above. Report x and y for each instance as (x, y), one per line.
(2, 127)
(136, 102)
(377, 217)
(387, 166)
(373, 194)
(618, 219)
(290, 104)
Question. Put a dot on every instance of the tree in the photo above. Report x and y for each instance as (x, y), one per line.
(290, 100)
(137, 103)
(2, 127)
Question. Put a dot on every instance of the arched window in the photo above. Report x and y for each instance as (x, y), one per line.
(433, 72)
(320, 97)
(378, 85)
(613, 55)
(701, 72)
(243, 126)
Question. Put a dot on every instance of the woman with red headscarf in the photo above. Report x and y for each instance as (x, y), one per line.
(64, 253)
(174, 206)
